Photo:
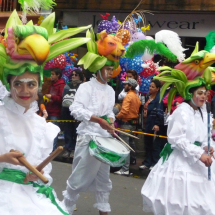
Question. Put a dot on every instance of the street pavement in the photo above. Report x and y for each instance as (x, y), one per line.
(125, 197)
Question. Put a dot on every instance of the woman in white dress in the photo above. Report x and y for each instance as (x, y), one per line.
(179, 184)
(23, 130)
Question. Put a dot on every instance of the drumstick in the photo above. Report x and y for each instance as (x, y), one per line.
(23, 161)
(47, 160)
(125, 133)
(124, 142)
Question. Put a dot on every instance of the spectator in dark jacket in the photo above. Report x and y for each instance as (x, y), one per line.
(153, 111)
(54, 95)
(70, 134)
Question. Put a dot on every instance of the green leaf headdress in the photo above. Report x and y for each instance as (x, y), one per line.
(192, 72)
(29, 47)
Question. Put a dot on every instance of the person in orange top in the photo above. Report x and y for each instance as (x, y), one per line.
(128, 117)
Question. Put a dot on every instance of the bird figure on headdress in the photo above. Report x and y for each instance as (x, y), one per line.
(30, 46)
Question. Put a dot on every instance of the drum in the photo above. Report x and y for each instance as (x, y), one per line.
(109, 150)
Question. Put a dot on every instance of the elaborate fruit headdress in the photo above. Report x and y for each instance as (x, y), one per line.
(106, 51)
(29, 47)
(194, 71)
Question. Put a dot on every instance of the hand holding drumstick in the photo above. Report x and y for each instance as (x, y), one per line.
(46, 161)
(25, 163)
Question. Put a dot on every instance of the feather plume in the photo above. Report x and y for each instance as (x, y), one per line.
(172, 41)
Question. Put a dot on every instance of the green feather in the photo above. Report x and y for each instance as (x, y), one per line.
(31, 4)
(210, 41)
(139, 47)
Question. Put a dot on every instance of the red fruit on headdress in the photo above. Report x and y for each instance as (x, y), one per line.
(60, 61)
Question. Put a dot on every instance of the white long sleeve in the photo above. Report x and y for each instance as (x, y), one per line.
(185, 126)
(93, 98)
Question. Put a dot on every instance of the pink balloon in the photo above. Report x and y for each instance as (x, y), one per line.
(138, 36)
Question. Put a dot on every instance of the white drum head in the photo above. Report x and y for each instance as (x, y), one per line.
(112, 144)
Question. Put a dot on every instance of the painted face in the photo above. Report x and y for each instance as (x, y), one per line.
(107, 72)
(199, 96)
(24, 88)
(54, 77)
(153, 89)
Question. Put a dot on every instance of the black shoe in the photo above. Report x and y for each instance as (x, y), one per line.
(133, 161)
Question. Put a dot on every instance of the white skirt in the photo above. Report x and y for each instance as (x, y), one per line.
(177, 187)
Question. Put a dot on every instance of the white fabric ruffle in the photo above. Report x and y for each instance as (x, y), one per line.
(23, 199)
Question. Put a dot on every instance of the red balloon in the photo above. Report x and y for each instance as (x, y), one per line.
(150, 70)
(60, 61)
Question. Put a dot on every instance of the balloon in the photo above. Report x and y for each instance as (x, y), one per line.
(124, 35)
(105, 25)
(116, 71)
(60, 61)
(145, 83)
(115, 24)
(136, 64)
(149, 38)
(150, 70)
(138, 36)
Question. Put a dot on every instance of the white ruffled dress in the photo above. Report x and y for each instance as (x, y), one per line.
(30, 134)
(180, 185)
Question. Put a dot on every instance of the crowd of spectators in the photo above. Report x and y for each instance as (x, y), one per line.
(150, 116)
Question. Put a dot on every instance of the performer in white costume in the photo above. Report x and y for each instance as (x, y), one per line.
(21, 129)
(93, 100)
(179, 183)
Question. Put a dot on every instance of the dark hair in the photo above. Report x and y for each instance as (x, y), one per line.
(133, 72)
(156, 82)
(191, 90)
(80, 73)
(57, 71)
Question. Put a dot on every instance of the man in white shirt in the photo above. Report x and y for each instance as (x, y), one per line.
(93, 99)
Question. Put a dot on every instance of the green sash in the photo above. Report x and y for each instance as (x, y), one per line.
(18, 176)
(167, 150)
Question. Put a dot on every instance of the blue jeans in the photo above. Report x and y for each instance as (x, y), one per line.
(56, 123)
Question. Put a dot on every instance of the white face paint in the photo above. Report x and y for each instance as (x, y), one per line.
(26, 80)
(199, 92)
(24, 89)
